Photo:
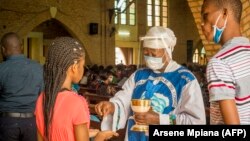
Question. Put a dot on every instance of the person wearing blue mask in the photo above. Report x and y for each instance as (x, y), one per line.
(173, 90)
(228, 71)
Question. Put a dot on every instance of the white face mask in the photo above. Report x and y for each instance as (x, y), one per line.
(154, 63)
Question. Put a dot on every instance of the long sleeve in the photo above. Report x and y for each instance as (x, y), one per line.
(121, 101)
(190, 109)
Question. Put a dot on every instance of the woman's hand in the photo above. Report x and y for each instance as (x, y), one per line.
(105, 135)
(93, 132)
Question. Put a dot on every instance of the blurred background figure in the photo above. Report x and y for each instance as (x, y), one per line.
(21, 81)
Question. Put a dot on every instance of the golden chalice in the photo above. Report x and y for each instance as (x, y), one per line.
(140, 106)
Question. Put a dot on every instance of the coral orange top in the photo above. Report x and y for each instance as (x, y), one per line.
(70, 109)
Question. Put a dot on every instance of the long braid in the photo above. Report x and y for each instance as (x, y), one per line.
(63, 52)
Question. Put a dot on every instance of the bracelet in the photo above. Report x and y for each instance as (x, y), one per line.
(172, 118)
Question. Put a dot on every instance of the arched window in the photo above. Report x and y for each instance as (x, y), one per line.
(203, 59)
(196, 56)
(200, 58)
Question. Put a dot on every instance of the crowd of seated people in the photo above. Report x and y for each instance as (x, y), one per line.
(106, 80)
(101, 83)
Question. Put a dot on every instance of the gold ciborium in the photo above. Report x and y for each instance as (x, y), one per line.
(140, 106)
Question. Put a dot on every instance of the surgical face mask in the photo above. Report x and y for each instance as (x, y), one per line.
(218, 31)
(154, 63)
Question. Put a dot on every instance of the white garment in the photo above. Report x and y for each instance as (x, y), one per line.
(190, 108)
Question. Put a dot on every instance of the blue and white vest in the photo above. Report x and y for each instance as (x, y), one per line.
(164, 91)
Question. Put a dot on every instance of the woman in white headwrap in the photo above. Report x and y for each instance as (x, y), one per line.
(174, 92)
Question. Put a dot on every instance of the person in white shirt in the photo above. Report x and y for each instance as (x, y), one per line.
(174, 92)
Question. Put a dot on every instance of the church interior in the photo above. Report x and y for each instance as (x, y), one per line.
(107, 29)
(110, 31)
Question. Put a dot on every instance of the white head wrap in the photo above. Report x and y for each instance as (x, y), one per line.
(160, 37)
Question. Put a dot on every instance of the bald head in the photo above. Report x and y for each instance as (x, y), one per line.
(11, 44)
(234, 6)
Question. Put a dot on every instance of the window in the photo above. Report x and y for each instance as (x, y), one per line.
(164, 13)
(116, 19)
(123, 18)
(200, 58)
(150, 13)
(132, 13)
(196, 56)
(203, 59)
(157, 13)
(203, 52)
(126, 12)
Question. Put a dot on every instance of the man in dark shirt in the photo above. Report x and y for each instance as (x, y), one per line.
(21, 81)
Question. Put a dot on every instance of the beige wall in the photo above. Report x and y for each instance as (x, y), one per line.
(136, 31)
(127, 41)
(132, 41)
(181, 21)
(23, 16)
(75, 16)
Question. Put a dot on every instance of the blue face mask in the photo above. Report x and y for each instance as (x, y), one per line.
(218, 31)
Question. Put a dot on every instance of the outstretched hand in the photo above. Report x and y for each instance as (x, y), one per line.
(93, 132)
(105, 135)
(104, 108)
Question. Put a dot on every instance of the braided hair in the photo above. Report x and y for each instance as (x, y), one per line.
(62, 53)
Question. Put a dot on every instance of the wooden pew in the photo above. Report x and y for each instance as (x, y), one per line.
(84, 89)
(95, 98)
